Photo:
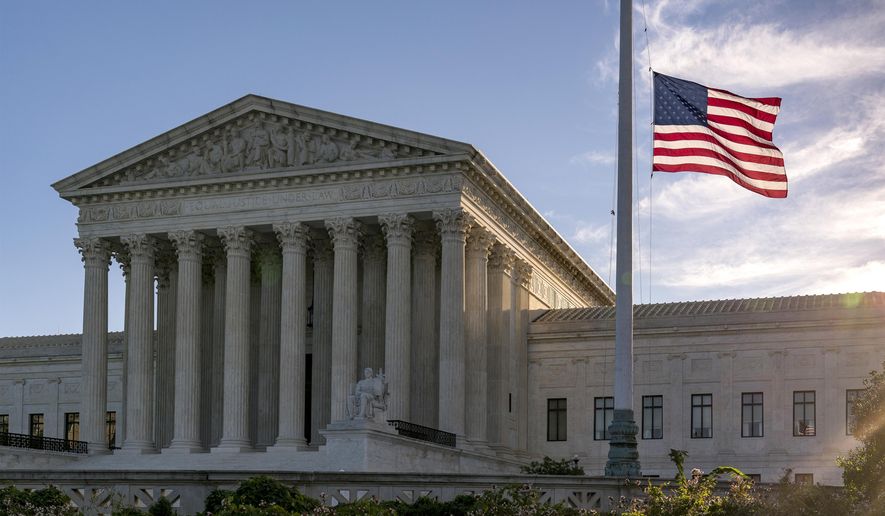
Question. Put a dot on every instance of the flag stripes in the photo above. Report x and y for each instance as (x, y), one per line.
(700, 129)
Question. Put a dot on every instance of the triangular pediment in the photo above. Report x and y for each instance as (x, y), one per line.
(254, 135)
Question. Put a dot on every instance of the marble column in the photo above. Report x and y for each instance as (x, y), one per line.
(270, 263)
(425, 345)
(237, 242)
(140, 354)
(523, 273)
(293, 237)
(476, 300)
(165, 385)
(188, 371)
(121, 255)
(345, 233)
(94, 366)
(397, 229)
(371, 352)
(217, 407)
(254, 342)
(453, 225)
(321, 338)
(207, 342)
(500, 268)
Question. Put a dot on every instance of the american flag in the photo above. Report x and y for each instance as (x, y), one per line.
(701, 129)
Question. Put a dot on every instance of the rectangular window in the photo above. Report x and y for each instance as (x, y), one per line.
(701, 416)
(652, 417)
(36, 429)
(751, 414)
(756, 478)
(4, 423)
(557, 421)
(111, 428)
(851, 396)
(803, 413)
(72, 426)
(604, 411)
(804, 478)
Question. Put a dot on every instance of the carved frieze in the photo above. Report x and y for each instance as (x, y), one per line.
(174, 207)
(256, 142)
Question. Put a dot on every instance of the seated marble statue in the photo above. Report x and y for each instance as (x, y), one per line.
(369, 394)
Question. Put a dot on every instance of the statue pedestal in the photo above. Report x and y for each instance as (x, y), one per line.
(364, 445)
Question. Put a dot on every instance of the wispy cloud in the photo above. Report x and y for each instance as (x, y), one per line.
(745, 54)
(591, 233)
(593, 157)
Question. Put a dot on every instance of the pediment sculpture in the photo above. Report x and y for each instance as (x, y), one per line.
(369, 394)
(257, 143)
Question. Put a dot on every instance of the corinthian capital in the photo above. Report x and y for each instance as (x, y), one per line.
(187, 243)
(236, 239)
(502, 259)
(453, 222)
(95, 252)
(480, 241)
(344, 232)
(140, 245)
(397, 227)
(523, 272)
(292, 235)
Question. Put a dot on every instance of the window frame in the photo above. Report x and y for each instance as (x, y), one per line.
(655, 409)
(753, 404)
(702, 405)
(608, 413)
(805, 404)
(72, 424)
(36, 420)
(557, 419)
(4, 423)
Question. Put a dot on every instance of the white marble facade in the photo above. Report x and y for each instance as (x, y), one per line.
(715, 352)
(271, 252)
(264, 234)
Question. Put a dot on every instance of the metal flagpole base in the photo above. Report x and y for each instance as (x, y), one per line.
(623, 456)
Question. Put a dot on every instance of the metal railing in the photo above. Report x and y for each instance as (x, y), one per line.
(42, 443)
(423, 433)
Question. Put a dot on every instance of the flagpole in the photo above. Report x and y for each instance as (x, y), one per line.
(623, 455)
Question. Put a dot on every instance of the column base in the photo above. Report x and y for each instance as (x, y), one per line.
(233, 446)
(623, 454)
(184, 447)
(289, 445)
(137, 449)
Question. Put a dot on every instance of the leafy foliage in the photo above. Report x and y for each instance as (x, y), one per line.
(696, 496)
(47, 501)
(518, 499)
(260, 496)
(162, 507)
(553, 467)
(863, 470)
(787, 498)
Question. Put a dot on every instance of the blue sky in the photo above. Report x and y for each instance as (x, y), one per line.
(532, 84)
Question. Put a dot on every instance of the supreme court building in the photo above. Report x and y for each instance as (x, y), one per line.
(273, 252)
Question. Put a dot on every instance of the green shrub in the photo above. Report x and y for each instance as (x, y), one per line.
(863, 470)
(162, 507)
(215, 500)
(553, 467)
(46, 501)
(260, 495)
